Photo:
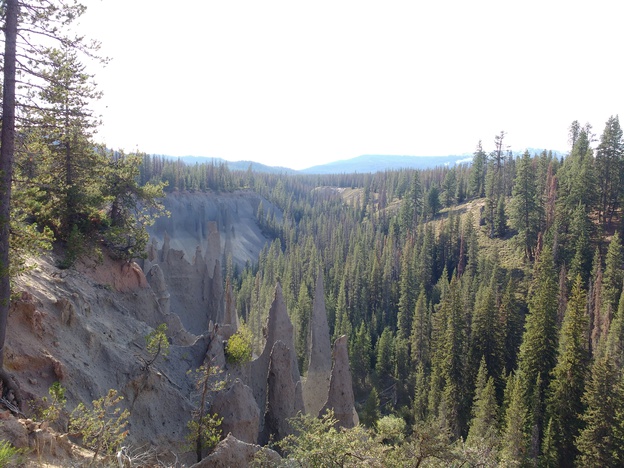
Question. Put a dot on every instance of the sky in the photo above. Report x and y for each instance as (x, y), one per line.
(299, 83)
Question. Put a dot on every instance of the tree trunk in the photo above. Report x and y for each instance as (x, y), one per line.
(7, 149)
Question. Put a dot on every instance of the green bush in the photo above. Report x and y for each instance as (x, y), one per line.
(238, 348)
(56, 403)
(9, 455)
(102, 427)
(157, 343)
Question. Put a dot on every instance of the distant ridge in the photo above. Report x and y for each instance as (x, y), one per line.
(377, 162)
(232, 165)
(368, 163)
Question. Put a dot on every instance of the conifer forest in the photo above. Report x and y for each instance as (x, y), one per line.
(483, 303)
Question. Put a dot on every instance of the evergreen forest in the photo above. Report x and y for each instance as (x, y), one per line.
(482, 302)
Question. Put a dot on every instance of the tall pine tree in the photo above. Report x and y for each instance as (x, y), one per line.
(566, 388)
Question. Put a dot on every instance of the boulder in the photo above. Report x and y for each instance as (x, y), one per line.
(240, 413)
(231, 452)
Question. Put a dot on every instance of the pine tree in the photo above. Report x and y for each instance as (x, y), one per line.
(23, 58)
(453, 412)
(514, 442)
(450, 188)
(576, 176)
(132, 207)
(494, 184)
(476, 185)
(500, 221)
(539, 344)
(512, 319)
(421, 393)
(564, 406)
(421, 333)
(580, 239)
(486, 340)
(615, 339)
(370, 412)
(384, 351)
(609, 160)
(598, 321)
(524, 209)
(71, 169)
(407, 294)
(360, 356)
(484, 425)
(599, 442)
(343, 322)
(613, 277)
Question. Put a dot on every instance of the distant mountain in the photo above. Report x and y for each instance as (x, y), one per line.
(368, 163)
(233, 165)
(376, 162)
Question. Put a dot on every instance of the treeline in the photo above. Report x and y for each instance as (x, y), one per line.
(498, 321)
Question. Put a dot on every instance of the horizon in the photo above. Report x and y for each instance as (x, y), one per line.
(298, 85)
(466, 158)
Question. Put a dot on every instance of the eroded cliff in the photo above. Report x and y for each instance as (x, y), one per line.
(86, 328)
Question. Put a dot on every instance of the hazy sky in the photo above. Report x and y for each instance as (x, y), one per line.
(299, 83)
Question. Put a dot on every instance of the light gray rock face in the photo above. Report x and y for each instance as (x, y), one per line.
(215, 299)
(156, 280)
(240, 413)
(279, 327)
(215, 355)
(316, 386)
(222, 224)
(213, 245)
(340, 397)
(230, 319)
(283, 398)
(231, 452)
(202, 231)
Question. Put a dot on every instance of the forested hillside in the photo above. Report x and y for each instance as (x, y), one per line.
(482, 302)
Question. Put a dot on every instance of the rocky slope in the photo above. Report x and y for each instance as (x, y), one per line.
(86, 329)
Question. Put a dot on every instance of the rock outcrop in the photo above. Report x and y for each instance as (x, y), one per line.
(340, 398)
(222, 224)
(52, 448)
(240, 413)
(283, 394)
(204, 230)
(230, 319)
(279, 327)
(156, 280)
(316, 384)
(215, 295)
(231, 452)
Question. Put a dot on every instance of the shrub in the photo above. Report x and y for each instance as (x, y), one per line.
(9, 455)
(157, 343)
(239, 346)
(56, 403)
(102, 427)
